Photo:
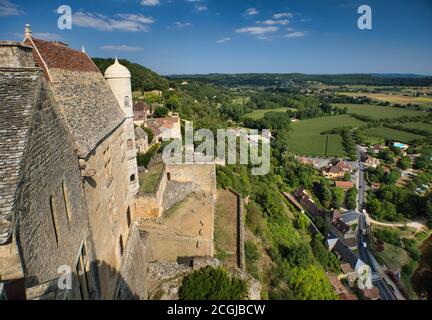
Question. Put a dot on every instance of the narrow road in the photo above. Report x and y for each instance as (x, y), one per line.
(364, 252)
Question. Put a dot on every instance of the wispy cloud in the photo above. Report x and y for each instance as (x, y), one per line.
(295, 34)
(150, 3)
(123, 48)
(223, 40)
(8, 8)
(283, 15)
(200, 8)
(251, 12)
(180, 25)
(271, 22)
(137, 17)
(121, 22)
(47, 36)
(257, 31)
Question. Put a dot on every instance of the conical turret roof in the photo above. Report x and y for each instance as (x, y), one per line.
(117, 71)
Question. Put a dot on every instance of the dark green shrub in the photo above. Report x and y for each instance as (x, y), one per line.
(212, 284)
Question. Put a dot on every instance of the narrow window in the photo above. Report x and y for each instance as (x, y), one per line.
(132, 178)
(130, 144)
(54, 218)
(128, 216)
(169, 176)
(67, 203)
(127, 102)
(121, 246)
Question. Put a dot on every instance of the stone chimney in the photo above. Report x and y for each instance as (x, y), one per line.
(14, 54)
(27, 31)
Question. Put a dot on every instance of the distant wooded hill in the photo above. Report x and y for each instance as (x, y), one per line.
(270, 79)
(143, 79)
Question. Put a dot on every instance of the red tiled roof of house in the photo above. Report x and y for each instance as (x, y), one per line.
(156, 124)
(58, 55)
(339, 167)
(347, 296)
(371, 294)
(141, 106)
(346, 268)
(344, 184)
(335, 214)
(336, 284)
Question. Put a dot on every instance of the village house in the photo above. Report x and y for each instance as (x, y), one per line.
(340, 289)
(337, 170)
(344, 184)
(372, 162)
(304, 198)
(141, 111)
(165, 128)
(141, 140)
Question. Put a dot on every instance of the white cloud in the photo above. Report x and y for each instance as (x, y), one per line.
(124, 22)
(201, 8)
(251, 12)
(283, 15)
(271, 22)
(257, 31)
(295, 34)
(7, 8)
(223, 40)
(181, 25)
(47, 36)
(123, 47)
(150, 3)
(136, 17)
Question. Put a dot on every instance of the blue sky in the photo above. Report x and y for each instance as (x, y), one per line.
(238, 36)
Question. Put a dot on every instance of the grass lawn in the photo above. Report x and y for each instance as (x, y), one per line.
(148, 180)
(259, 114)
(225, 226)
(393, 134)
(379, 112)
(394, 98)
(418, 125)
(306, 138)
(394, 257)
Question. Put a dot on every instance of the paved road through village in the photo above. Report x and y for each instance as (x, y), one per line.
(364, 252)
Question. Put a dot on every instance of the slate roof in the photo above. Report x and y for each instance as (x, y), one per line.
(140, 133)
(89, 108)
(349, 217)
(345, 253)
(18, 89)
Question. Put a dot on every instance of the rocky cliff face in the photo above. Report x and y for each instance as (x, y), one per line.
(165, 279)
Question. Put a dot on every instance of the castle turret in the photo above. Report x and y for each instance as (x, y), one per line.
(119, 79)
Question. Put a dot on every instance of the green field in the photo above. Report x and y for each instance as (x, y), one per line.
(393, 134)
(379, 112)
(306, 138)
(259, 114)
(425, 101)
(418, 125)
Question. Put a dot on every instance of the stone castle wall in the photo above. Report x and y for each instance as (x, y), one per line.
(109, 205)
(15, 55)
(52, 214)
(132, 284)
(151, 205)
